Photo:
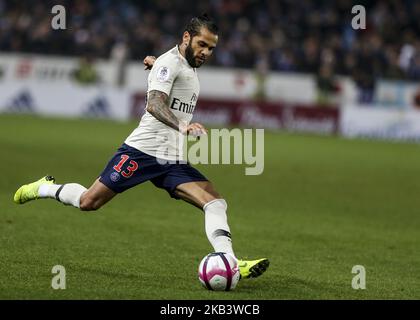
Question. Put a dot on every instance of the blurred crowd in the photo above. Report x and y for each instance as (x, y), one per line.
(283, 35)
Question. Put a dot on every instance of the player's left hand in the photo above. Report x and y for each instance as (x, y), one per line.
(148, 62)
(196, 129)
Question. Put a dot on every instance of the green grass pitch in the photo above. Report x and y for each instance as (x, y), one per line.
(322, 205)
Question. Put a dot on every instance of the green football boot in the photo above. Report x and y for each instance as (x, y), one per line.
(252, 268)
(29, 191)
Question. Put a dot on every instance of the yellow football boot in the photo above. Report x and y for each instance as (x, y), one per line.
(252, 268)
(29, 191)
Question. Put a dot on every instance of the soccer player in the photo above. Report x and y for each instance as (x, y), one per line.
(152, 152)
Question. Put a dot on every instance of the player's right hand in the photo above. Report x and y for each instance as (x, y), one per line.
(148, 62)
(196, 129)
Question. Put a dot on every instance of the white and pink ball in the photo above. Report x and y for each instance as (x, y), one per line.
(219, 271)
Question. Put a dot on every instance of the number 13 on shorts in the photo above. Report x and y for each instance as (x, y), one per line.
(133, 166)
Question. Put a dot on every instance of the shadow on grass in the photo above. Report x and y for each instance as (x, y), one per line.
(293, 288)
(109, 273)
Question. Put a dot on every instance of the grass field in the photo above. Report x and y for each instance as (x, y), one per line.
(322, 205)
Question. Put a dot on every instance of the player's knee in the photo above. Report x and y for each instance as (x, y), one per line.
(212, 196)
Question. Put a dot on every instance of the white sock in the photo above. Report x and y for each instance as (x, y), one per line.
(68, 193)
(48, 190)
(217, 228)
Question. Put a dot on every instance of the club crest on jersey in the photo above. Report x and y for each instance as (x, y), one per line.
(114, 177)
(163, 74)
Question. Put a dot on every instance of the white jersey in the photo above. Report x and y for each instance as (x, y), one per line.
(172, 75)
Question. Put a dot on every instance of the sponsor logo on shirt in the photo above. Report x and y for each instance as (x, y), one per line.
(182, 106)
(194, 98)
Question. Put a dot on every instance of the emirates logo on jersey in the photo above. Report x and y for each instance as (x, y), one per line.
(182, 106)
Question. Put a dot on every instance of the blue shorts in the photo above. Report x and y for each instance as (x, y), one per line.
(130, 167)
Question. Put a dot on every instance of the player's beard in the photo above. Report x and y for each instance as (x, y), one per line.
(189, 55)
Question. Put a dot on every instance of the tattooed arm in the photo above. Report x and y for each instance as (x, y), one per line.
(158, 106)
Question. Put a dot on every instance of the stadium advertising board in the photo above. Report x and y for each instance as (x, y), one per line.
(64, 100)
(308, 118)
(71, 100)
(380, 123)
(248, 113)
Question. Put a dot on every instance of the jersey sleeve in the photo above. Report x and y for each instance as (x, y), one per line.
(163, 74)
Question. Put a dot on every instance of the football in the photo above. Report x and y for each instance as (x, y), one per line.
(219, 271)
